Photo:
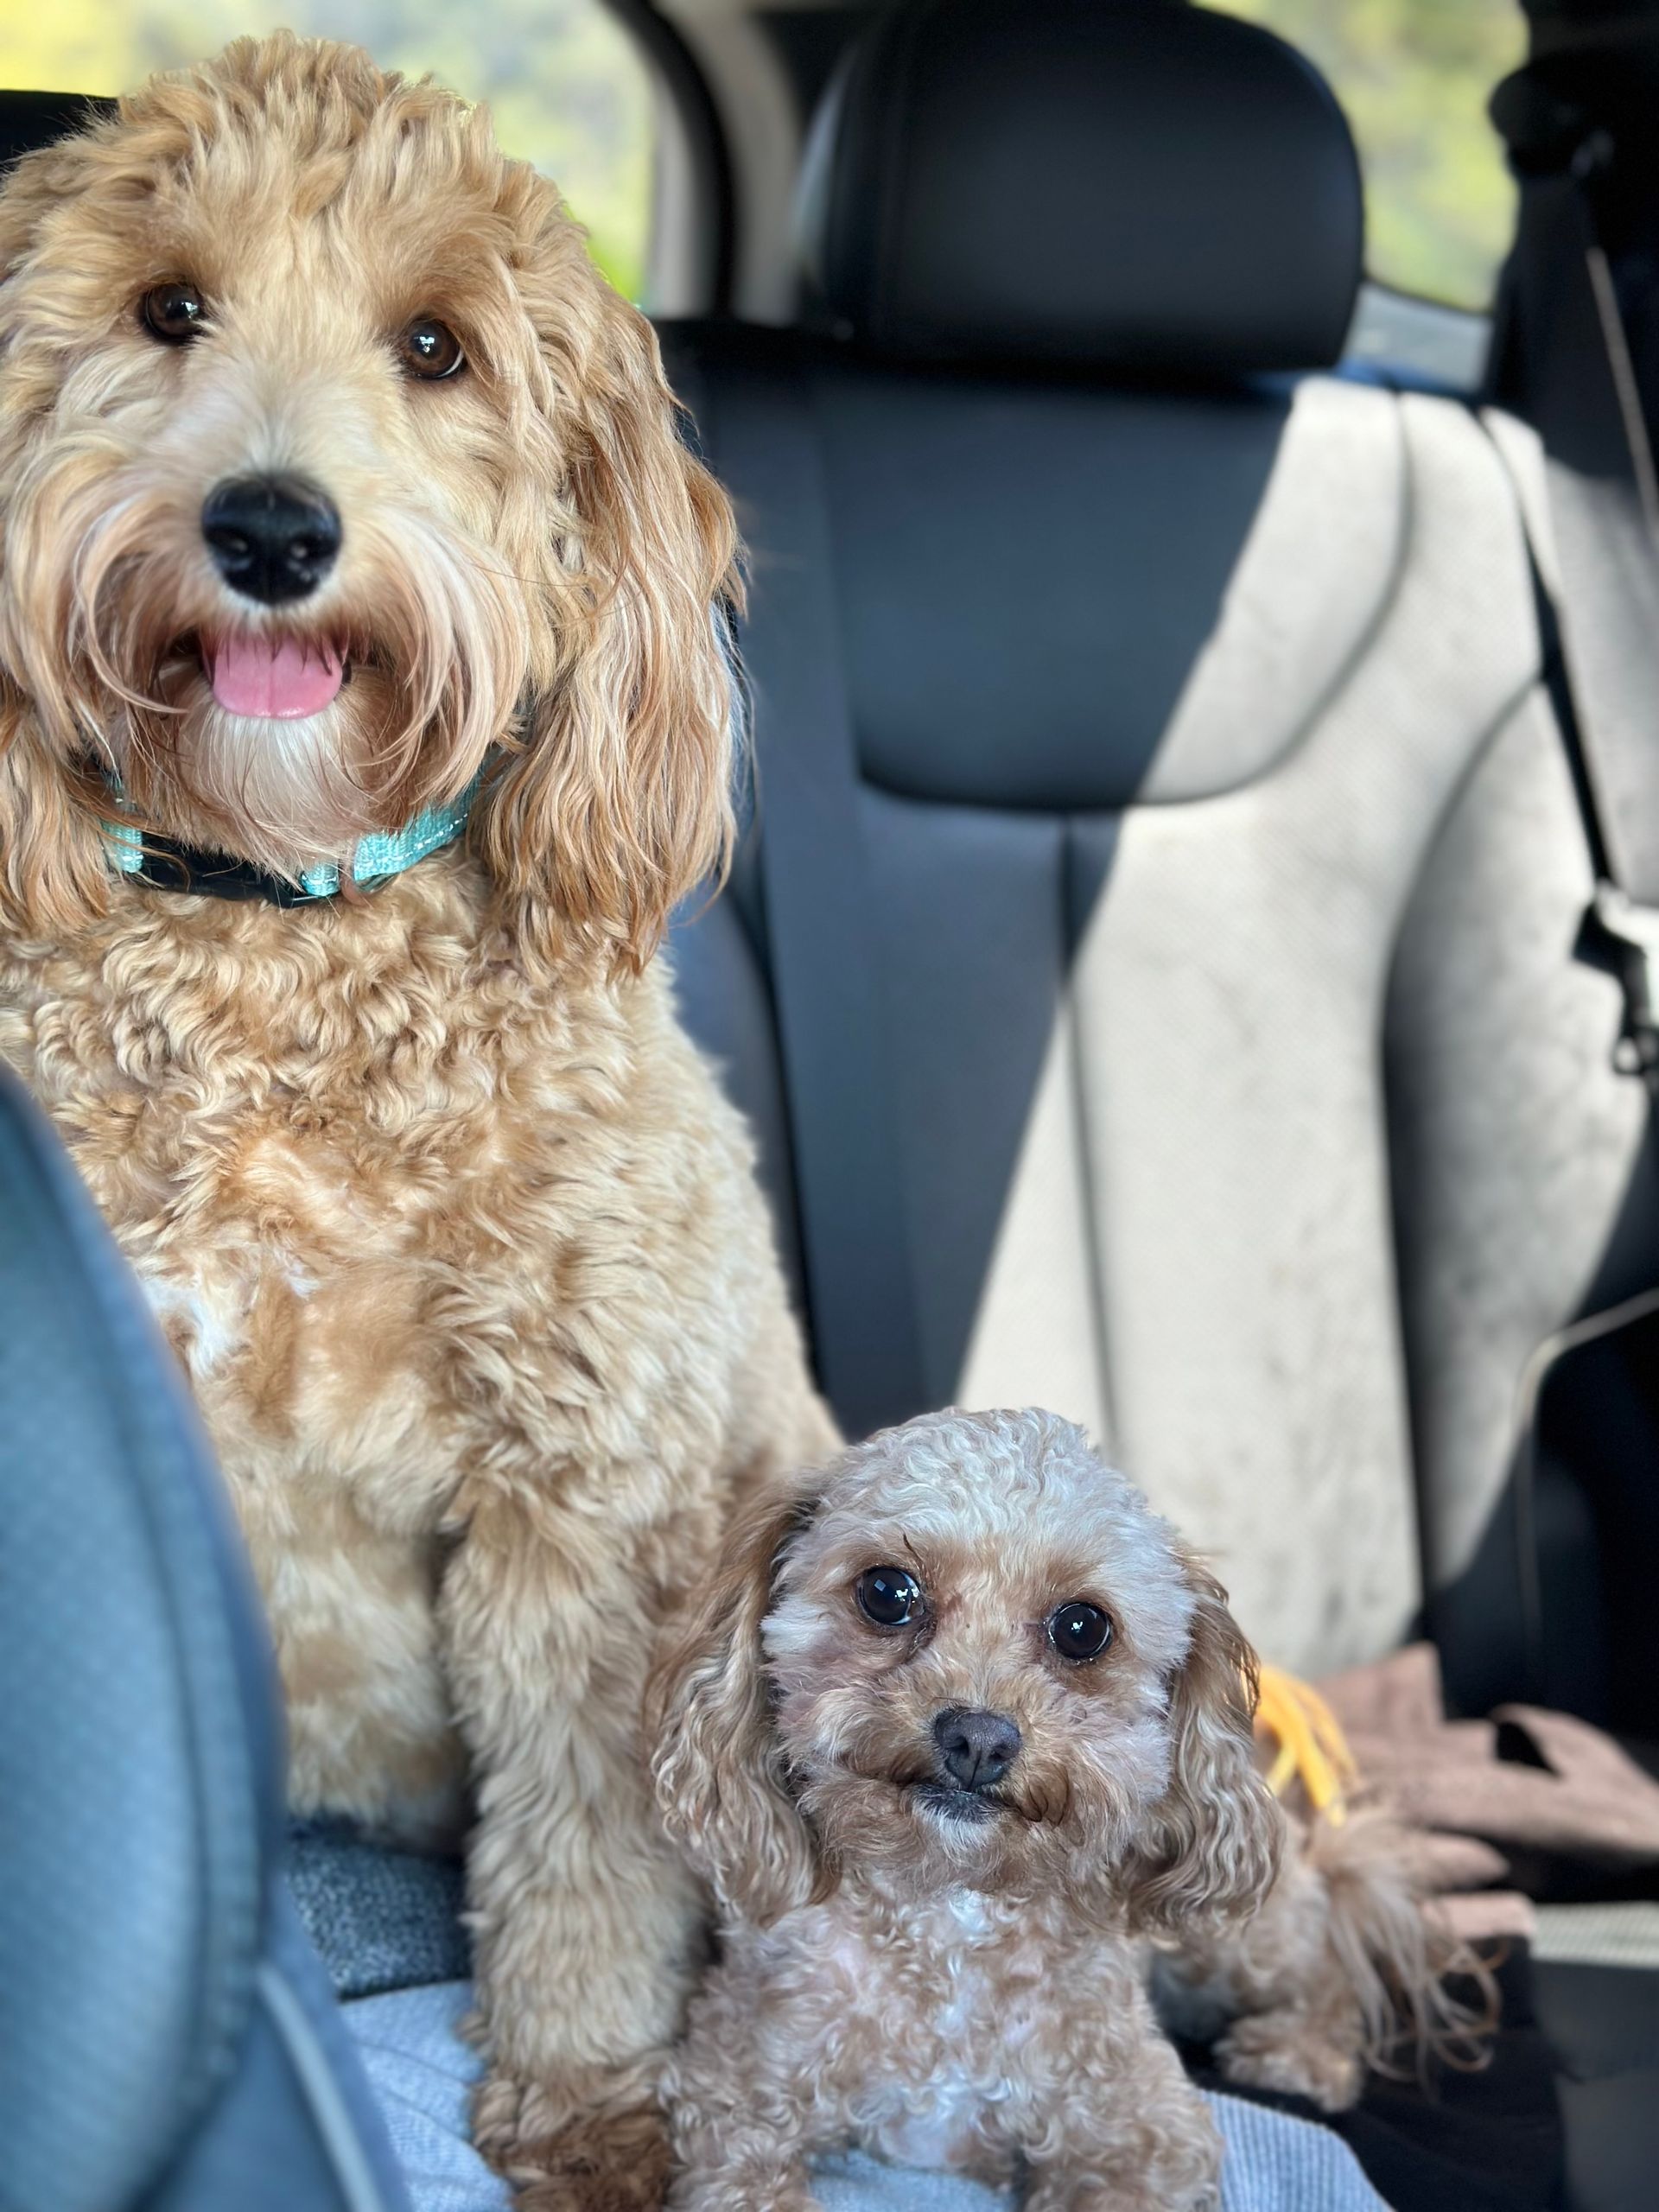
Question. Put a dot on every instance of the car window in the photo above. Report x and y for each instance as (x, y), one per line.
(569, 87)
(1415, 77)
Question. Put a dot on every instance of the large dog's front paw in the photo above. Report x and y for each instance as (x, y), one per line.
(600, 2148)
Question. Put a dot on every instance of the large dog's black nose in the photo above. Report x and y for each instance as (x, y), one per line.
(273, 537)
(977, 1748)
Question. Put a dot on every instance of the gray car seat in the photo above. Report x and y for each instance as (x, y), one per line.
(1218, 853)
(1222, 850)
(166, 2038)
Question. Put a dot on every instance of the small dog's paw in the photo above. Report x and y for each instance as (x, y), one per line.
(566, 2154)
(1267, 2051)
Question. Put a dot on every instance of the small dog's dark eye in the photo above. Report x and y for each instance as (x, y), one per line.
(173, 313)
(1079, 1630)
(429, 348)
(889, 1596)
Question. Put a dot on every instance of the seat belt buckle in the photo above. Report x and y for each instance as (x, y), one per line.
(1630, 932)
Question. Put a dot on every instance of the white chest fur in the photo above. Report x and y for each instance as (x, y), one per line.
(942, 1997)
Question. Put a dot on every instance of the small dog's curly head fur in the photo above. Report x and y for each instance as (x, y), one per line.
(257, 270)
(896, 1675)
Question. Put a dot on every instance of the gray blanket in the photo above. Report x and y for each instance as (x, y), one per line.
(421, 2071)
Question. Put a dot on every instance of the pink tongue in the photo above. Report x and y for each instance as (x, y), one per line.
(254, 676)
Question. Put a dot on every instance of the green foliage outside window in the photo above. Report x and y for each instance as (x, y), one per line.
(1414, 77)
(569, 89)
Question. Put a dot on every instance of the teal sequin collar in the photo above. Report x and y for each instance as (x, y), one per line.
(162, 865)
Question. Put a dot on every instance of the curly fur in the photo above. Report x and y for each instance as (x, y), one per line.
(948, 1986)
(447, 1221)
(530, 554)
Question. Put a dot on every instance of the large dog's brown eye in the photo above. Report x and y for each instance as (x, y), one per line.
(889, 1596)
(1079, 1630)
(429, 348)
(173, 313)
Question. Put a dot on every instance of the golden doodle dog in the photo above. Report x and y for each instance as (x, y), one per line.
(335, 481)
(962, 1742)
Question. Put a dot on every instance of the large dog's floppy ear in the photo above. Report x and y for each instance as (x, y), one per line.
(714, 1758)
(619, 801)
(52, 870)
(1215, 1837)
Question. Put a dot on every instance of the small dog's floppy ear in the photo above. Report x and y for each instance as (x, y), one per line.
(714, 1759)
(1215, 1835)
(619, 802)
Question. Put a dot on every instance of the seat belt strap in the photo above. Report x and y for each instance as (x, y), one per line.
(1615, 339)
(1619, 753)
(1619, 932)
(820, 920)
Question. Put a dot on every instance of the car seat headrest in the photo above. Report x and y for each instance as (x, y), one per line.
(1133, 183)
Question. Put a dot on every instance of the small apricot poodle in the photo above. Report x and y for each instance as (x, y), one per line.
(961, 1726)
(962, 1742)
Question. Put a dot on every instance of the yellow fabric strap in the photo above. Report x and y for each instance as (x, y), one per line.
(1312, 1749)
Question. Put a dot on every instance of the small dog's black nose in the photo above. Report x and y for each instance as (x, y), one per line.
(273, 537)
(977, 1748)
